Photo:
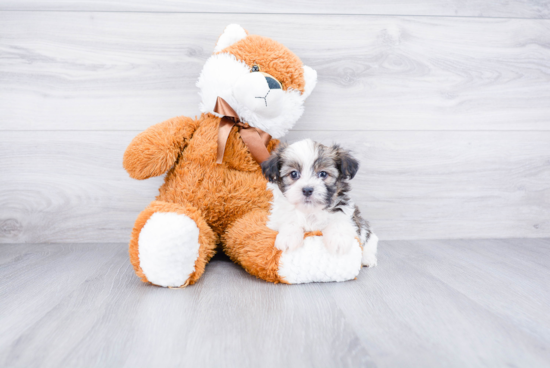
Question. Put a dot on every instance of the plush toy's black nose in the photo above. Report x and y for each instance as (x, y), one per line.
(308, 191)
(272, 83)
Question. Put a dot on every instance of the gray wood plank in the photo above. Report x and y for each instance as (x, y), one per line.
(476, 8)
(112, 319)
(428, 303)
(516, 269)
(76, 182)
(71, 187)
(74, 267)
(126, 71)
(450, 303)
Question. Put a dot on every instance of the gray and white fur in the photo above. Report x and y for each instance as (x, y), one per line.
(310, 184)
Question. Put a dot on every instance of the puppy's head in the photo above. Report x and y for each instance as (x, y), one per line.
(310, 175)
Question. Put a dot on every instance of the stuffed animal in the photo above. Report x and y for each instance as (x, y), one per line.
(252, 92)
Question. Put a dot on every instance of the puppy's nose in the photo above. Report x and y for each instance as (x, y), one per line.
(308, 191)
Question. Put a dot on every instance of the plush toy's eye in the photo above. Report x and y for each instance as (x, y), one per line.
(322, 174)
(255, 68)
(294, 174)
(273, 83)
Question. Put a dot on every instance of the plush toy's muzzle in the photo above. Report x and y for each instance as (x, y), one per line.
(260, 93)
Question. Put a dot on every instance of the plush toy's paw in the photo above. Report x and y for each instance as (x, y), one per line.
(289, 238)
(369, 251)
(314, 263)
(338, 241)
(168, 249)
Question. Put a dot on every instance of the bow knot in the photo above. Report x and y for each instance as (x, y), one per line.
(240, 124)
(255, 139)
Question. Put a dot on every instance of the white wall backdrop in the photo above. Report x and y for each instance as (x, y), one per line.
(446, 103)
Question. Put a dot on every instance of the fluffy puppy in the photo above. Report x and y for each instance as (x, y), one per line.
(310, 193)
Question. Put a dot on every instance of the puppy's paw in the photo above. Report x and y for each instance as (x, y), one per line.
(369, 259)
(338, 242)
(369, 251)
(289, 239)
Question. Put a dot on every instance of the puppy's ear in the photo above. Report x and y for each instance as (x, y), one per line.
(270, 168)
(345, 162)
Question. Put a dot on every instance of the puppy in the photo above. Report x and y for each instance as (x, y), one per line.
(310, 185)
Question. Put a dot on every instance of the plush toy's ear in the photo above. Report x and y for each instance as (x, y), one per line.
(345, 162)
(310, 76)
(230, 35)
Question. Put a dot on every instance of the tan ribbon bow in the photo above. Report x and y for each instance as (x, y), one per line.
(255, 139)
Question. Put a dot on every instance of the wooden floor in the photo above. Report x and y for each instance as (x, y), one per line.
(452, 303)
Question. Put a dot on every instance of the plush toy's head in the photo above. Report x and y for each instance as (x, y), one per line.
(262, 80)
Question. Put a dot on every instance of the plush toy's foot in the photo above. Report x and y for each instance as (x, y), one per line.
(250, 243)
(312, 262)
(171, 244)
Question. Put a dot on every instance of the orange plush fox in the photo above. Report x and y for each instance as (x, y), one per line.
(214, 196)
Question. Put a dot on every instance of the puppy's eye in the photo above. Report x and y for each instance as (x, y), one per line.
(294, 174)
(322, 174)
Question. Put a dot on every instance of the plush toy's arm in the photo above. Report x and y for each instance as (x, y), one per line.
(154, 151)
